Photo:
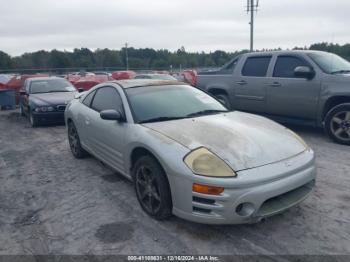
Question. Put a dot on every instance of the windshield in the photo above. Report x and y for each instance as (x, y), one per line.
(160, 103)
(330, 63)
(51, 85)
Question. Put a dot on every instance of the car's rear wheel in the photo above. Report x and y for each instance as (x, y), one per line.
(224, 99)
(74, 142)
(152, 188)
(337, 124)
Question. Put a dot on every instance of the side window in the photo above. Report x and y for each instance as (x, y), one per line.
(256, 66)
(107, 98)
(87, 100)
(285, 66)
(228, 68)
(26, 86)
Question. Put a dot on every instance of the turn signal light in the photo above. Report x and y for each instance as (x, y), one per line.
(208, 190)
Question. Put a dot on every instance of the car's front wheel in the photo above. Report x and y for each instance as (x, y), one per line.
(337, 124)
(21, 110)
(33, 120)
(152, 188)
(74, 142)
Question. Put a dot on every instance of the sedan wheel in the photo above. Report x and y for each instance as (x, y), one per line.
(21, 110)
(338, 124)
(74, 142)
(33, 121)
(152, 188)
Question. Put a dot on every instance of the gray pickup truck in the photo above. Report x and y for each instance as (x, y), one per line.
(298, 87)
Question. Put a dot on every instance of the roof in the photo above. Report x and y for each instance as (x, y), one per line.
(145, 82)
(283, 52)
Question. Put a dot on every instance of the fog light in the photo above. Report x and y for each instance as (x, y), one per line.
(208, 190)
(245, 209)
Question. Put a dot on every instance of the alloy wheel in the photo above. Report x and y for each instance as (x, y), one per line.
(73, 139)
(147, 189)
(340, 125)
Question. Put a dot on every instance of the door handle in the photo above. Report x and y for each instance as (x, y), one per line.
(242, 82)
(276, 84)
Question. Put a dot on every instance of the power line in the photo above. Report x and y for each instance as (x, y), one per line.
(252, 8)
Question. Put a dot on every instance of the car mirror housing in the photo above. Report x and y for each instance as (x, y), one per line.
(22, 92)
(304, 72)
(112, 115)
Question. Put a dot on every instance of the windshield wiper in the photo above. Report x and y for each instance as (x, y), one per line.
(340, 72)
(206, 112)
(160, 119)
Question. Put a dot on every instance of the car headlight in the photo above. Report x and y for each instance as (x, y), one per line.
(44, 109)
(204, 163)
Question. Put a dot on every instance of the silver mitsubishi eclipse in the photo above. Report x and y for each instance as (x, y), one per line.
(188, 155)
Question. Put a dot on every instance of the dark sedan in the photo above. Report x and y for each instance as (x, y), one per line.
(43, 100)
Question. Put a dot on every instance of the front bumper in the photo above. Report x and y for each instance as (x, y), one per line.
(49, 117)
(254, 194)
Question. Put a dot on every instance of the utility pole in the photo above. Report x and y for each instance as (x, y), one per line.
(252, 6)
(126, 56)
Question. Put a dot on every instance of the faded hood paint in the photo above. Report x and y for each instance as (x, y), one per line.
(243, 140)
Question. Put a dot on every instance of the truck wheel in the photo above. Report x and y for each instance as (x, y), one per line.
(152, 188)
(337, 124)
(224, 99)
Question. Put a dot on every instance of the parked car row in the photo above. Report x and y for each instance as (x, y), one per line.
(87, 80)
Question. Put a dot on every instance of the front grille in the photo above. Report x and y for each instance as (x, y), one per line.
(280, 202)
(203, 200)
(201, 210)
(202, 205)
(61, 107)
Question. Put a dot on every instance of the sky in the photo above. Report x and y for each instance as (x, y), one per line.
(198, 25)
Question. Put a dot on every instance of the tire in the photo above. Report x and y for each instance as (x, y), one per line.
(21, 110)
(74, 142)
(33, 121)
(152, 188)
(225, 100)
(337, 124)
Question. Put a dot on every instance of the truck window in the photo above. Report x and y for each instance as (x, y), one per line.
(285, 66)
(256, 66)
(229, 67)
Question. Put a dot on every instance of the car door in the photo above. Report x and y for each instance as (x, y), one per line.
(106, 137)
(250, 84)
(289, 95)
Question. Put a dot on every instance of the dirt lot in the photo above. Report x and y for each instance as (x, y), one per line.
(51, 203)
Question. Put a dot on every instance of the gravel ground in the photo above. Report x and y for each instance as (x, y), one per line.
(51, 203)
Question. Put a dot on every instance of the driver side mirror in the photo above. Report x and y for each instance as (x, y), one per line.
(112, 115)
(22, 92)
(304, 72)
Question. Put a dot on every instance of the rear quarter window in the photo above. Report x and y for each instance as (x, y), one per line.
(256, 66)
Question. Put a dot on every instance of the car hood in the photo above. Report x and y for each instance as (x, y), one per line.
(243, 140)
(59, 98)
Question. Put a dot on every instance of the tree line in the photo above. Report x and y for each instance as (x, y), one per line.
(142, 58)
